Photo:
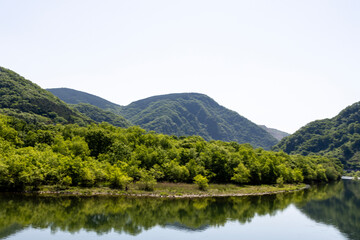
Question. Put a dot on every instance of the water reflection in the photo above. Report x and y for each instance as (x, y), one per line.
(132, 216)
(342, 210)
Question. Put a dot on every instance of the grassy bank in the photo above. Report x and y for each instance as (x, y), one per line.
(176, 190)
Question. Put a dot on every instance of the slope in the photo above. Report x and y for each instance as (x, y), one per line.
(99, 115)
(336, 137)
(195, 114)
(23, 99)
(275, 132)
(72, 96)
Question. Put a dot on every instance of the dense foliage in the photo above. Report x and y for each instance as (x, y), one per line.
(21, 98)
(337, 137)
(99, 115)
(195, 114)
(25, 100)
(104, 155)
(72, 96)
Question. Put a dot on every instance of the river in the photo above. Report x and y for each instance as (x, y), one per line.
(330, 211)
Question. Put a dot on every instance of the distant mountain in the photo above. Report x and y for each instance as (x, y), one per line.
(337, 137)
(23, 99)
(181, 114)
(100, 115)
(275, 133)
(72, 96)
(195, 114)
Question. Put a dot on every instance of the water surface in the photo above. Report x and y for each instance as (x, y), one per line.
(323, 212)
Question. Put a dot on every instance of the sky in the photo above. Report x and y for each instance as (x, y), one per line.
(281, 63)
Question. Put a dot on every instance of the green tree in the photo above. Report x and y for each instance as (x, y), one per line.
(242, 174)
(98, 141)
(202, 182)
(119, 179)
(147, 181)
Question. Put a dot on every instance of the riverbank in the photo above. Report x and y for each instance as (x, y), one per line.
(173, 190)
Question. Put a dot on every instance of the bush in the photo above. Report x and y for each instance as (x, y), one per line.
(147, 181)
(66, 181)
(241, 174)
(201, 181)
(119, 179)
(280, 182)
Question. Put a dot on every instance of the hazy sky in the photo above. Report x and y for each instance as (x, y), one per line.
(279, 63)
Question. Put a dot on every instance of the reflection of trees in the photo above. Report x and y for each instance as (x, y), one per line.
(132, 215)
(9, 230)
(342, 210)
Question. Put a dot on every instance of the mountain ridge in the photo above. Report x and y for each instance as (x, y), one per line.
(275, 132)
(68, 96)
(195, 113)
(337, 137)
(100, 115)
(184, 114)
(24, 99)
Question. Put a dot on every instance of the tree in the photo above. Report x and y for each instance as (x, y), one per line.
(280, 181)
(242, 174)
(147, 181)
(201, 181)
(98, 141)
(119, 179)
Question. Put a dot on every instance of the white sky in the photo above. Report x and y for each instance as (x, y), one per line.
(279, 63)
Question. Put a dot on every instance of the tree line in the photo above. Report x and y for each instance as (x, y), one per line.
(103, 155)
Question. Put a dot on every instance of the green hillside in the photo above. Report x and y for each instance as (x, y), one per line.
(23, 99)
(181, 114)
(72, 96)
(195, 114)
(99, 115)
(337, 137)
(33, 154)
(275, 133)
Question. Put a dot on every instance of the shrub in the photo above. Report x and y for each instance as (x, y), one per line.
(119, 179)
(66, 181)
(201, 181)
(280, 182)
(147, 181)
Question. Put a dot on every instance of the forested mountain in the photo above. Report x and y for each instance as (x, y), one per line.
(181, 114)
(337, 137)
(275, 133)
(22, 98)
(74, 97)
(33, 153)
(195, 114)
(99, 115)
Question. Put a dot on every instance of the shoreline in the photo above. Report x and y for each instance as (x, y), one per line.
(171, 192)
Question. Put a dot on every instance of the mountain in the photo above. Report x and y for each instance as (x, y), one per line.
(181, 114)
(72, 96)
(195, 114)
(337, 137)
(100, 115)
(23, 99)
(275, 133)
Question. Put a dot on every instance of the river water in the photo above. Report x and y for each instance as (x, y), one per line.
(330, 211)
